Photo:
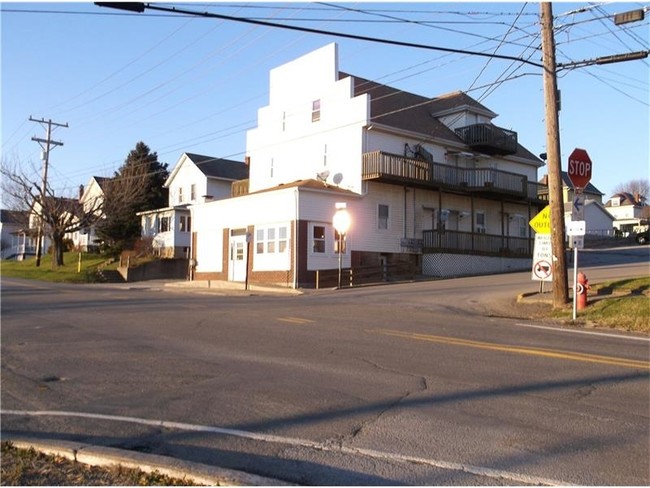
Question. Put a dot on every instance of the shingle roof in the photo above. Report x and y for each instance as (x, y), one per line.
(219, 168)
(13, 216)
(408, 111)
(588, 189)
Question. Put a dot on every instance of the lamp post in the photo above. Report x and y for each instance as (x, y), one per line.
(341, 222)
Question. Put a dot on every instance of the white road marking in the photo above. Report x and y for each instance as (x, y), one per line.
(387, 456)
(587, 332)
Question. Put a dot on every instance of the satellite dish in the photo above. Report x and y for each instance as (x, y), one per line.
(322, 176)
(338, 178)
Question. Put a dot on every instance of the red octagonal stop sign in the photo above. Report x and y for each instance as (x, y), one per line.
(579, 168)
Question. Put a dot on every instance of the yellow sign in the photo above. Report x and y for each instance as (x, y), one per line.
(541, 223)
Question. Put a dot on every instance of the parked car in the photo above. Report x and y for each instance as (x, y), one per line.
(642, 237)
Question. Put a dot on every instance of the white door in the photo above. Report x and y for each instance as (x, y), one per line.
(237, 260)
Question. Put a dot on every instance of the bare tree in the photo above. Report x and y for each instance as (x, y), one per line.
(58, 215)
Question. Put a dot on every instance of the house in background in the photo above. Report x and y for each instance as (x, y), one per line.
(15, 240)
(629, 211)
(598, 221)
(194, 179)
(91, 198)
(432, 183)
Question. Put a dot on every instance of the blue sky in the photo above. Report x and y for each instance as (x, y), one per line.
(191, 84)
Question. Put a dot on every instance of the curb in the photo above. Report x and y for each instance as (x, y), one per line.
(148, 463)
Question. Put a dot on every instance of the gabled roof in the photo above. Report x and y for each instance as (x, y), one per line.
(219, 168)
(566, 181)
(625, 199)
(211, 167)
(568, 208)
(415, 113)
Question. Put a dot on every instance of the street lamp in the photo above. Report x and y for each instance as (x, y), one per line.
(341, 222)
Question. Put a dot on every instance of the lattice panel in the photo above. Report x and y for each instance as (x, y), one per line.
(450, 265)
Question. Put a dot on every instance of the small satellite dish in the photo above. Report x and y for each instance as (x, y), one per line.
(323, 175)
(338, 178)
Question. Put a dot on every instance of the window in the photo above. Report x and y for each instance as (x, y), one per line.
(271, 240)
(185, 223)
(284, 121)
(192, 192)
(259, 247)
(480, 222)
(180, 194)
(163, 224)
(282, 239)
(382, 216)
(523, 228)
(315, 111)
(318, 239)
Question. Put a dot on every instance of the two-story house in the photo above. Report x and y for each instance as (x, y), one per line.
(91, 198)
(15, 240)
(194, 179)
(628, 211)
(427, 181)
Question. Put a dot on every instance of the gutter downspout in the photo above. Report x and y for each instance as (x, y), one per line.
(296, 247)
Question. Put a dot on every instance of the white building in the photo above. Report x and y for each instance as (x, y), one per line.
(627, 211)
(428, 182)
(194, 179)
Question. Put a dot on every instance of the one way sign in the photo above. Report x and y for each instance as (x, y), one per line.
(578, 210)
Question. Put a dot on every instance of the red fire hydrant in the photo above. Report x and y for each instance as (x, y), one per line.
(581, 290)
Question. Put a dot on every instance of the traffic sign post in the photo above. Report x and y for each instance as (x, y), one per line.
(542, 252)
(579, 172)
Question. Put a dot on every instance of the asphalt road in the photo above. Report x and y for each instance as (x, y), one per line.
(399, 384)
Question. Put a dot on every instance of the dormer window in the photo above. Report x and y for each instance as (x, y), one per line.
(315, 110)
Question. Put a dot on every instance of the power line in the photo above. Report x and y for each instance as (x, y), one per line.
(332, 33)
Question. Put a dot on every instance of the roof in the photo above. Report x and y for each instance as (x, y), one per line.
(588, 189)
(403, 110)
(568, 208)
(13, 216)
(219, 168)
(626, 198)
(309, 184)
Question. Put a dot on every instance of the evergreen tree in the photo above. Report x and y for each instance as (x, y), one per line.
(137, 186)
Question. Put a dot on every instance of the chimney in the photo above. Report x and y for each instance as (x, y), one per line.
(81, 191)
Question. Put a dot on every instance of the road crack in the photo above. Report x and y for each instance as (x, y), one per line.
(421, 386)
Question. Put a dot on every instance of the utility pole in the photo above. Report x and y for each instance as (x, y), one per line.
(555, 194)
(45, 144)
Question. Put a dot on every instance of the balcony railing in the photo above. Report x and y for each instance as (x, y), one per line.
(489, 139)
(401, 169)
(476, 243)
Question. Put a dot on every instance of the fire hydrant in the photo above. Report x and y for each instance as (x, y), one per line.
(581, 290)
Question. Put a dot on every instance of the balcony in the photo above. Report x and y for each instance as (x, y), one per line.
(392, 168)
(489, 139)
(476, 243)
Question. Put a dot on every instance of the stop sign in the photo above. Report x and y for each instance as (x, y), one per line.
(579, 168)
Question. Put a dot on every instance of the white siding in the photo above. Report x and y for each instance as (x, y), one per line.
(265, 209)
(288, 146)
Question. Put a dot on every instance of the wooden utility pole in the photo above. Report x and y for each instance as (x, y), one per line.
(555, 194)
(45, 144)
